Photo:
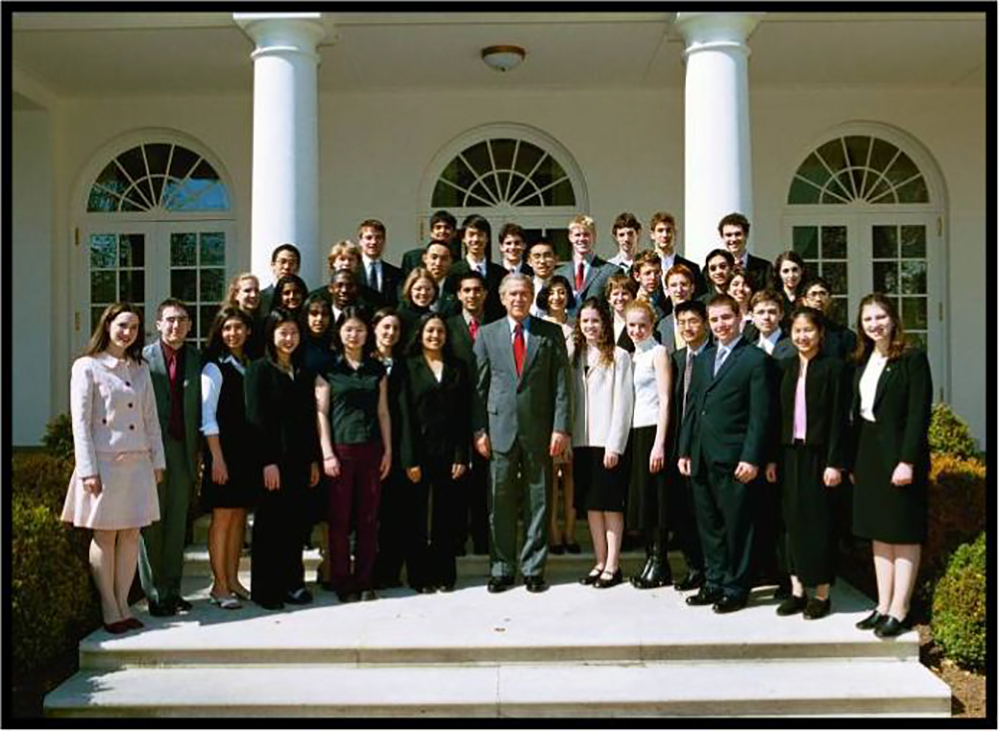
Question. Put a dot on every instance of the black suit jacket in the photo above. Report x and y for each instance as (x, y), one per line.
(902, 409)
(282, 414)
(838, 341)
(759, 270)
(388, 294)
(728, 414)
(440, 413)
(827, 400)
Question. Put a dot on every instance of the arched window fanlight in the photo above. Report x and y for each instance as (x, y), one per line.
(160, 176)
(503, 172)
(858, 168)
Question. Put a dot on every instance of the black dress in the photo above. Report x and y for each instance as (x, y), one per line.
(902, 409)
(235, 437)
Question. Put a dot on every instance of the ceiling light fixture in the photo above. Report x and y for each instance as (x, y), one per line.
(503, 58)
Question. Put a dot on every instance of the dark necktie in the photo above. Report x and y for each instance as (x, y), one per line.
(518, 348)
(175, 425)
(579, 277)
(373, 276)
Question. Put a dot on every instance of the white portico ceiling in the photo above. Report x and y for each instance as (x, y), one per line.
(95, 54)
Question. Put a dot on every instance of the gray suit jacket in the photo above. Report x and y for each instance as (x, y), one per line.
(529, 408)
(191, 386)
(593, 284)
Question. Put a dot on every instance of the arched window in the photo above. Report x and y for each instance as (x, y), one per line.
(157, 223)
(858, 168)
(865, 211)
(508, 173)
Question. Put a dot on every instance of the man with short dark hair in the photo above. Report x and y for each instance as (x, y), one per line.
(838, 340)
(476, 234)
(542, 257)
(663, 233)
(285, 260)
(512, 246)
(723, 445)
(734, 229)
(442, 230)
(382, 279)
(625, 231)
(175, 370)
(437, 261)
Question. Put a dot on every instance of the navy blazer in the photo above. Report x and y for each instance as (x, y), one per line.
(827, 399)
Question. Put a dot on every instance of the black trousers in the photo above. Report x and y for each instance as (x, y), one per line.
(726, 514)
(473, 501)
(684, 519)
(395, 514)
(278, 528)
(431, 551)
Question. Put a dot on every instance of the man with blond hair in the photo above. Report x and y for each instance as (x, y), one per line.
(585, 271)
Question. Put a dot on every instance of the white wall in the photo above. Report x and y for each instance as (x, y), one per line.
(31, 276)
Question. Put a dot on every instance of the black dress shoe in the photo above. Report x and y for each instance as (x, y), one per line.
(572, 548)
(692, 581)
(161, 609)
(892, 627)
(556, 549)
(271, 604)
(729, 604)
(611, 581)
(792, 604)
(448, 587)
(301, 596)
(592, 577)
(499, 584)
(368, 595)
(816, 608)
(783, 590)
(180, 604)
(537, 583)
(641, 580)
(346, 596)
(424, 589)
(705, 596)
(872, 621)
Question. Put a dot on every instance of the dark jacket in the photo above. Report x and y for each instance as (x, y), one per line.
(282, 415)
(827, 400)
(440, 413)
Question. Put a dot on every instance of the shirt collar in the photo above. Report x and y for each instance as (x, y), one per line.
(524, 323)
(368, 262)
(106, 359)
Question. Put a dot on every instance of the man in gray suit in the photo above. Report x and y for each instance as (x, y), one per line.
(522, 419)
(176, 374)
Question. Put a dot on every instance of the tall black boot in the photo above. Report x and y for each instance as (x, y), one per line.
(660, 574)
(639, 580)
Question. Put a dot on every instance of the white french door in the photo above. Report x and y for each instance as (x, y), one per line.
(145, 262)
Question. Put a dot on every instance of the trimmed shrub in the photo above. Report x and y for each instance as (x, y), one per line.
(949, 434)
(52, 603)
(959, 621)
(58, 438)
(41, 477)
(956, 505)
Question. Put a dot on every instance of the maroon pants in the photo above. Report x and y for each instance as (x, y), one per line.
(354, 493)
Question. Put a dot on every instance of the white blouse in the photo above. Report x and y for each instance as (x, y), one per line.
(869, 384)
(646, 412)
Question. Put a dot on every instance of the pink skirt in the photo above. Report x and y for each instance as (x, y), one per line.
(128, 497)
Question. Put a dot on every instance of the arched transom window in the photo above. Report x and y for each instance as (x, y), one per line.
(503, 172)
(158, 176)
(858, 168)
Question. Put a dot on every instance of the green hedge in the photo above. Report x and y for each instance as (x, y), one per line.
(949, 434)
(959, 620)
(52, 602)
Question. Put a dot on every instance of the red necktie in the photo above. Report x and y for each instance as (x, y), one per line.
(473, 328)
(518, 348)
(579, 277)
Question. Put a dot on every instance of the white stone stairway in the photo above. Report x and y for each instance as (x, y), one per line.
(572, 651)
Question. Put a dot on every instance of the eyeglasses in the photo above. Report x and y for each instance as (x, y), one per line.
(716, 267)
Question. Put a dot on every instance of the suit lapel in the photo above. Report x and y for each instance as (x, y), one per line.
(731, 359)
(884, 378)
(506, 345)
(529, 355)
(595, 267)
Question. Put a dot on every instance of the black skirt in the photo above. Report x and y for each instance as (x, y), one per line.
(647, 493)
(810, 515)
(595, 488)
(882, 511)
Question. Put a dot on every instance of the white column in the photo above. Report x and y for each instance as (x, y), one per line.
(285, 184)
(717, 167)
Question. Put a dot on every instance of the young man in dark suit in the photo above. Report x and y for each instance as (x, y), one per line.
(723, 445)
(175, 369)
(285, 260)
(512, 250)
(382, 279)
(585, 271)
(838, 340)
(663, 233)
(463, 330)
(442, 230)
(476, 242)
(522, 419)
(734, 229)
(690, 318)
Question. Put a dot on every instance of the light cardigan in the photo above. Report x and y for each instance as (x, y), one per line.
(602, 402)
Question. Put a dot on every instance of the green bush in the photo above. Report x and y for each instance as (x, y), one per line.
(52, 603)
(41, 477)
(949, 434)
(959, 620)
(58, 438)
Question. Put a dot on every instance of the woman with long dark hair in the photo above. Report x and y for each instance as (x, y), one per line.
(789, 275)
(356, 438)
(232, 476)
(119, 456)
(436, 450)
(602, 398)
(281, 408)
(891, 415)
(290, 293)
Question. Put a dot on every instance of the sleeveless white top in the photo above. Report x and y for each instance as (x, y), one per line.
(647, 398)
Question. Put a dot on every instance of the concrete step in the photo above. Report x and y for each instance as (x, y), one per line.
(568, 623)
(736, 688)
